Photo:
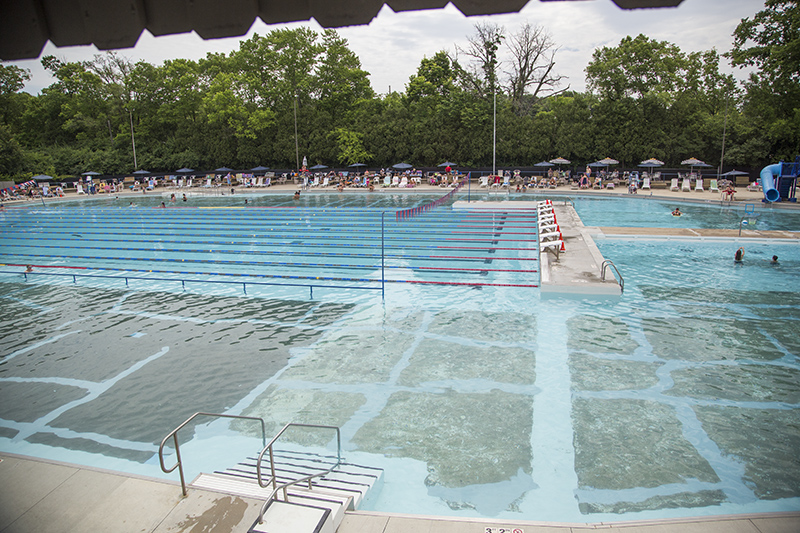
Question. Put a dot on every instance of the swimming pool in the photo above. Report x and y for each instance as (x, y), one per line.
(490, 402)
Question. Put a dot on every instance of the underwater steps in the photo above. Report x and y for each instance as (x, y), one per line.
(318, 510)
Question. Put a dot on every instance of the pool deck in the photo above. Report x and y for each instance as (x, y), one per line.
(50, 496)
(743, 196)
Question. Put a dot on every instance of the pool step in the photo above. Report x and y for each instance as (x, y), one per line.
(319, 510)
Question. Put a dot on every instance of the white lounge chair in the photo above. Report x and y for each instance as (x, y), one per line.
(387, 180)
(674, 185)
(712, 186)
(403, 182)
(645, 183)
(484, 182)
(80, 189)
(395, 181)
(687, 185)
(260, 182)
(698, 185)
(506, 182)
(325, 182)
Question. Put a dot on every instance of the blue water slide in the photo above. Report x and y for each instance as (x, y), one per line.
(768, 182)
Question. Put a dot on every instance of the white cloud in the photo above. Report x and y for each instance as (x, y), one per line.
(391, 47)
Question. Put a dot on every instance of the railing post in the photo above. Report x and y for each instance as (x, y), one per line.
(180, 464)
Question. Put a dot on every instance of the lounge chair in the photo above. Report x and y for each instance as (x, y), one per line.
(80, 189)
(484, 182)
(645, 183)
(698, 185)
(208, 182)
(712, 186)
(403, 182)
(674, 185)
(506, 182)
(325, 182)
(395, 181)
(687, 185)
(387, 180)
(268, 182)
(260, 182)
(610, 185)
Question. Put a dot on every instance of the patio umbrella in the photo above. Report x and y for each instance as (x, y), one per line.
(447, 164)
(357, 165)
(259, 169)
(694, 162)
(184, 170)
(735, 173)
(597, 164)
(223, 170)
(318, 167)
(42, 177)
(560, 161)
(402, 166)
(141, 172)
(544, 164)
(609, 161)
(652, 162)
(90, 173)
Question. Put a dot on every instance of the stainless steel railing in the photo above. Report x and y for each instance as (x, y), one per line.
(610, 264)
(174, 434)
(276, 488)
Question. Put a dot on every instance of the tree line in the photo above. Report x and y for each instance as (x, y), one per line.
(295, 93)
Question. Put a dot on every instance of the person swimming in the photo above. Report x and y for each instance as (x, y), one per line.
(739, 256)
(677, 212)
(297, 195)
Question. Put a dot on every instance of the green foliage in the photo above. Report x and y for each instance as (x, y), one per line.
(647, 98)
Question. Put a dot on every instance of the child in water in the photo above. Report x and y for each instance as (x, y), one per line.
(737, 258)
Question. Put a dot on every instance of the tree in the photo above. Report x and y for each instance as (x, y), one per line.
(770, 41)
(533, 59)
(636, 67)
(480, 75)
(775, 37)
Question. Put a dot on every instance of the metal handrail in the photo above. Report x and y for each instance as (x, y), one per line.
(608, 263)
(174, 435)
(284, 486)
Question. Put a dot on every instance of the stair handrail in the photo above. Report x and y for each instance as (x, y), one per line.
(609, 263)
(285, 486)
(174, 434)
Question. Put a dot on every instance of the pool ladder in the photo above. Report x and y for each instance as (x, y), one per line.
(610, 264)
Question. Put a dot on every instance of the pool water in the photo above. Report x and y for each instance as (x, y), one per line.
(681, 398)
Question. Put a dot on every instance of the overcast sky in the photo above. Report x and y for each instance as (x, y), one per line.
(392, 45)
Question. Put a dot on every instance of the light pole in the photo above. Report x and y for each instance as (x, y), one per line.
(296, 145)
(133, 141)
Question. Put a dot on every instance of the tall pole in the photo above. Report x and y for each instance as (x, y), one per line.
(494, 132)
(133, 141)
(724, 130)
(296, 145)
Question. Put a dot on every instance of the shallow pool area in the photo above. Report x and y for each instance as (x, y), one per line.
(680, 398)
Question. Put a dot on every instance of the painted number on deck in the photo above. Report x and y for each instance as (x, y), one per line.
(503, 530)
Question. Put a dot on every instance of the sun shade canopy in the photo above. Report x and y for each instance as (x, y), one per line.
(26, 25)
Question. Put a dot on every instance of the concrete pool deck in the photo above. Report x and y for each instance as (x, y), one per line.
(50, 496)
